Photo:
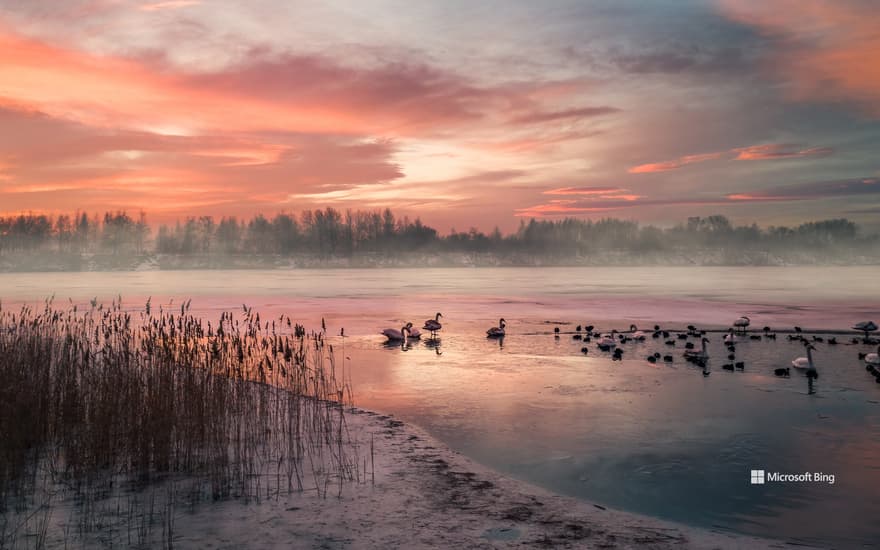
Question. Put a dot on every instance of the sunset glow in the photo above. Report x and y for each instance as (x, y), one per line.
(461, 114)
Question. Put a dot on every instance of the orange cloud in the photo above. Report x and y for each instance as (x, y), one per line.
(169, 5)
(779, 151)
(265, 92)
(52, 163)
(758, 197)
(583, 191)
(554, 209)
(87, 129)
(825, 50)
(767, 151)
(673, 164)
(595, 193)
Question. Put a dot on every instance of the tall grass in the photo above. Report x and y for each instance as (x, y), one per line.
(130, 414)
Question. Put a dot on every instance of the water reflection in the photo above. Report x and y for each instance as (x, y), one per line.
(401, 345)
(434, 344)
(500, 341)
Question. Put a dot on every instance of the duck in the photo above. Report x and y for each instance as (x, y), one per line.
(873, 359)
(727, 366)
(497, 332)
(433, 325)
(784, 372)
(668, 358)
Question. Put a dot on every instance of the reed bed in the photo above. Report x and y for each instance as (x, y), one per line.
(112, 421)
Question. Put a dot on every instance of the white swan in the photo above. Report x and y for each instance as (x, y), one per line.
(873, 359)
(433, 325)
(742, 323)
(413, 333)
(395, 335)
(805, 363)
(636, 333)
(607, 342)
(496, 332)
(698, 356)
(730, 337)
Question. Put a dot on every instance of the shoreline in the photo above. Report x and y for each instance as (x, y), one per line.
(426, 495)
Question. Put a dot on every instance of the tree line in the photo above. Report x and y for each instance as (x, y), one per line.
(329, 233)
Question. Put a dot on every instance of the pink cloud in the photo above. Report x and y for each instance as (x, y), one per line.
(583, 191)
(822, 50)
(767, 151)
(772, 151)
(267, 91)
(674, 164)
(169, 5)
(53, 163)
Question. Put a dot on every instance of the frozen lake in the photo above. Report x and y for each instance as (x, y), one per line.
(659, 439)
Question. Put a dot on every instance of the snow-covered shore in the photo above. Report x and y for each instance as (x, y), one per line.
(427, 496)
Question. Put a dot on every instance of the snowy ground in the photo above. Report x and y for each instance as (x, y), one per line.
(426, 496)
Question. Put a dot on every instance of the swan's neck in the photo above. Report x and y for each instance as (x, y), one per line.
(704, 347)
(810, 357)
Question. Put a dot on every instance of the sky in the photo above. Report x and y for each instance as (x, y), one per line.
(465, 114)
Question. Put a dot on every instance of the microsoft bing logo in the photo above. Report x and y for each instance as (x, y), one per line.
(757, 477)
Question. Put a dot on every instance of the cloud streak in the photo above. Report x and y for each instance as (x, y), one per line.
(673, 164)
(599, 199)
(767, 151)
(773, 151)
(169, 5)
